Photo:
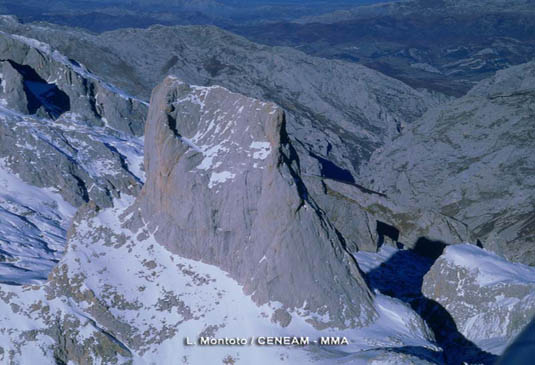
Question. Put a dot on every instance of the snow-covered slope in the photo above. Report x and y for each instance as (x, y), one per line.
(473, 319)
(35, 215)
(33, 223)
(122, 296)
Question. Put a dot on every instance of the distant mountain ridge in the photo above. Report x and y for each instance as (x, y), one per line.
(104, 15)
(446, 46)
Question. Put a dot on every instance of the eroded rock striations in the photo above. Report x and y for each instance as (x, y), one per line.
(224, 187)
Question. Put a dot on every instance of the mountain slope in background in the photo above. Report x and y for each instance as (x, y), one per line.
(472, 160)
(99, 16)
(446, 46)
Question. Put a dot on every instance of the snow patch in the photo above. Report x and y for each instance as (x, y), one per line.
(220, 177)
(263, 149)
(488, 267)
(33, 224)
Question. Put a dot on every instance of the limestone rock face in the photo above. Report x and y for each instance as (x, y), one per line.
(57, 152)
(36, 79)
(55, 117)
(472, 162)
(224, 187)
(486, 296)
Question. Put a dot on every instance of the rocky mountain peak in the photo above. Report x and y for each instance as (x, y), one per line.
(224, 187)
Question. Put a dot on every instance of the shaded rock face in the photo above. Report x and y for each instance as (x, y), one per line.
(486, 296)
(38, 80)
(55, 117)
(472, 162)
(28, 93)
(224, 187)
(367, 219)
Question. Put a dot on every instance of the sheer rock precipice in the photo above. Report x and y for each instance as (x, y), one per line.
(224, 187)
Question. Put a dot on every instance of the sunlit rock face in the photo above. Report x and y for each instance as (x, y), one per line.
(489, 298)
(223, 186)
(470, 162)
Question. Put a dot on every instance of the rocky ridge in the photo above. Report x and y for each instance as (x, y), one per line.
(472, 161)
(46, 88)
(93, 310)
(490, 299)
(67, 138)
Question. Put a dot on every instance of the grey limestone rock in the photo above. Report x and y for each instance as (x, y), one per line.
(59, 124)
(39, 80)
(224, 187)
(12, 88)
(337, 113)
(471, 161)
(486, 296)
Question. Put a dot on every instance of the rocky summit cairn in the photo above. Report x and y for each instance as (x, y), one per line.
(224, 187)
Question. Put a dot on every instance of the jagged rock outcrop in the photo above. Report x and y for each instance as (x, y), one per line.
(66, 138)
(38, 80)
(471, 161)
(487, 297)
(52, 109)
(224, 186)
